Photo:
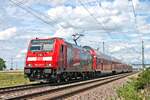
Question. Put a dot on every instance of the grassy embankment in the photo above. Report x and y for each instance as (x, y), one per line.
(138, 88)
(12, 78)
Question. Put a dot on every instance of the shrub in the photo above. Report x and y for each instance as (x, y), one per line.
(127, 92)
(132, 90)
(143, 80)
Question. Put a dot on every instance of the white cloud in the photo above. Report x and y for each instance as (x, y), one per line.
(144, 28)
(147, 46)
(78, 18)
(115, 15)
(121, 4)
(18, 56)
(57, 2)
(8, 33)
(117, 48)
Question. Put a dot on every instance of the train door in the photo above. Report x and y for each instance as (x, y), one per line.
(69, 56)
(94, 62)
(63, 58)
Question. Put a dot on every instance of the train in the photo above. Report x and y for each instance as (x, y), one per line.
(54, 59)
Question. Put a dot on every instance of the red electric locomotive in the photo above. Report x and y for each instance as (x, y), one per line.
(54, 59)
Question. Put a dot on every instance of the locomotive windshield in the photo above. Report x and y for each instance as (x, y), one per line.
(42, 45)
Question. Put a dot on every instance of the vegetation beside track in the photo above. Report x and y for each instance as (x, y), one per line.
(138, 88)
(12, 79)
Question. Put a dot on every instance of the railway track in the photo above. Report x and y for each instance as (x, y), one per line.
(69, 89)
(29, 86)
(21, 87)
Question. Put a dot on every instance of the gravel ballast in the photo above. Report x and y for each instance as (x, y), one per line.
(104, 92)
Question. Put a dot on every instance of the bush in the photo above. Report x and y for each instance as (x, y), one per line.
(132, 90)
(2, 64)
(127, 92)
(143, 80)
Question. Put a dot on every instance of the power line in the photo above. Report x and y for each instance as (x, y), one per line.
(99, 5)
(135, 19)
(39, 13)
(30, 12)
(101, 24)
(134, 13)
(140, 37)
(94, 19)
(33, 14)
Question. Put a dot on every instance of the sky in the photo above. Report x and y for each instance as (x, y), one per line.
(120, 24)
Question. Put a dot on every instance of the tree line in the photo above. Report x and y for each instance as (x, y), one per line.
(2, 64)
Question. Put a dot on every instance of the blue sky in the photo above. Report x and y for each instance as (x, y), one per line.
(111, 21)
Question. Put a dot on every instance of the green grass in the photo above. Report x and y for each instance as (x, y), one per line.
(12, 78)
(138, 88)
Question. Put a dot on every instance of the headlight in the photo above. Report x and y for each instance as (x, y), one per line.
(47, 58)
(49, 65)
(29, 65)
(31, 59)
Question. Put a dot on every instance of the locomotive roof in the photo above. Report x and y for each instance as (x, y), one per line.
(104, 56)
(48, 38)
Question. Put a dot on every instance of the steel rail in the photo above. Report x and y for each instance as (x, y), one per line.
(54, 93)
(20, 87)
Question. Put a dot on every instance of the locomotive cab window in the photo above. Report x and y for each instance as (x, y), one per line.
(35, 47)
(42, 45)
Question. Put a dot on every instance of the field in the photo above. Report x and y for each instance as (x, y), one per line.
(12, 78)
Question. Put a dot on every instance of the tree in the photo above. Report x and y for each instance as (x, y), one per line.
(2, 64)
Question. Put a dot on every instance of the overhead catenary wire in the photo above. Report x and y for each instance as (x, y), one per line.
(99, 5)
(41, 14)
(134, 13)
(135, 19)
(140, 35)
(95, 17)
(34, 13)
(97, 21)
(30, 12)
(90, 15)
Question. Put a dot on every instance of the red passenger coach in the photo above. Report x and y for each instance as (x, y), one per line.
(104, 64)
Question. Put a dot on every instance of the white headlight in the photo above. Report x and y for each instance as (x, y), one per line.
(49, 65)
(31, 59)
(29, 65)
(47, 58)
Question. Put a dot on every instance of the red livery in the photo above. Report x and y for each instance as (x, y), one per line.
(55, 59)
